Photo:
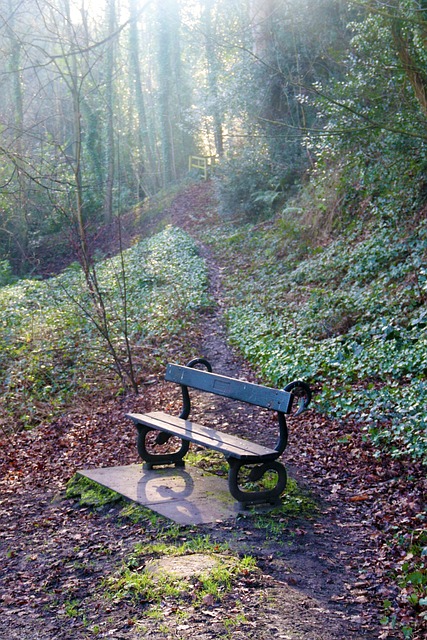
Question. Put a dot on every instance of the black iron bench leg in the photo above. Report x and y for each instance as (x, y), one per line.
(257, 472)
(152, 459)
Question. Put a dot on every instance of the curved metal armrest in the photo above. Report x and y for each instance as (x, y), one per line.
(202, 361)
(186, 403)
(302, 392)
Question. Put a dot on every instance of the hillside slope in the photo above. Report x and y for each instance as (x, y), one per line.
(330, 575)
(349, 315)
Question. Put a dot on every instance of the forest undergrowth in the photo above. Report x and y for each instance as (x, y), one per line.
(347, 316)
(346, 312)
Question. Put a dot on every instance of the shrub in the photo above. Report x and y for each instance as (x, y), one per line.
(6, 276)
(244, 183)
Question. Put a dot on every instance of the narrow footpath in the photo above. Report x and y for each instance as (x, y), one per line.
(316, 590)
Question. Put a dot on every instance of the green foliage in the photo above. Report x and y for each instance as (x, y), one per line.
(350, 318)
(72, 608)
(211, 461)
(137, 513)
(244, 182)
(6, 276)
(372, 118)
(296, 502)
(295, 46)
(51, 348)
(411, 577)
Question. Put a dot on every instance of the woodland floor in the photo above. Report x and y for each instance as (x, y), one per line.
(322, 578)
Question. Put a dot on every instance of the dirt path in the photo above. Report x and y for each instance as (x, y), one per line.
(316, 591)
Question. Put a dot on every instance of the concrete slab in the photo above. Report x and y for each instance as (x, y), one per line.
(186, 496)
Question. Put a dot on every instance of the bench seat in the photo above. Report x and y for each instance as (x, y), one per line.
(225, 443)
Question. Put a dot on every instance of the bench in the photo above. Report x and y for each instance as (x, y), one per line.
(239, 453)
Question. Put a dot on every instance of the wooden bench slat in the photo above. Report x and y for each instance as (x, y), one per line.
(275, 399)
(203, 436)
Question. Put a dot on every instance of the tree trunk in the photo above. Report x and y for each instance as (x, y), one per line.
(212, 74)
(20, 225)
(149, 183)
(165, 90)
(109, 88)
(415, 74)
(261, 12)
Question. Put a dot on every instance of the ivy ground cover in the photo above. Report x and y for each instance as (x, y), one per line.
(349, 317)
(52, 346)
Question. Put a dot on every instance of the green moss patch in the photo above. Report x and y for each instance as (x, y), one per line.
(194, 572)
(89, 493)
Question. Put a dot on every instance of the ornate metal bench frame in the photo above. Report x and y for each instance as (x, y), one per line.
(238, 452)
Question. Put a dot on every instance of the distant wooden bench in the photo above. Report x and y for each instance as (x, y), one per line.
(237, 451)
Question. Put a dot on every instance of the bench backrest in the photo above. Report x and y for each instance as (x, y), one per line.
(256, 394)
